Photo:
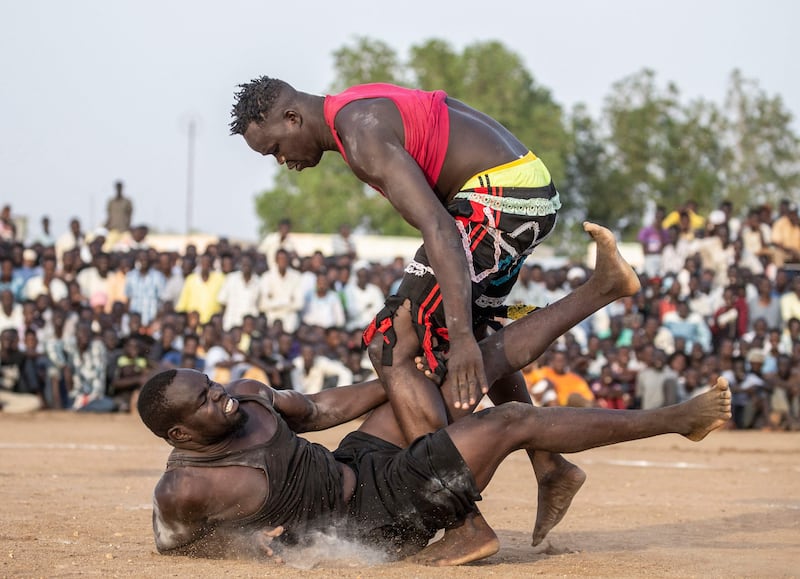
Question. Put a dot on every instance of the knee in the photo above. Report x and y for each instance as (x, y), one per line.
(511, 413)
(375, 351)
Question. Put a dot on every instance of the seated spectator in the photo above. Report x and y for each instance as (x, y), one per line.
(571, 389)
(13, 398)
(133, 370)
(322, 307)
(86, 387)
(313, 373)
(691, 327)
(11, 317)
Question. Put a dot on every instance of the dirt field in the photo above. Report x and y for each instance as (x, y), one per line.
(76, 494)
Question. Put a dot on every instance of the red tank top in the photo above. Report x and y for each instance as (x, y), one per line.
(426, 121)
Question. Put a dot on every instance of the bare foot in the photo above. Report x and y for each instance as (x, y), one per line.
(708, 411)
(612, 274)
(556, 491)
(471, 541)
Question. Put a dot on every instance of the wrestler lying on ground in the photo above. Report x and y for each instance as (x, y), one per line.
(239, 475)
(268, 482)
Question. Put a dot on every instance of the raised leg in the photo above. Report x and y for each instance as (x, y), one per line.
(561, 429)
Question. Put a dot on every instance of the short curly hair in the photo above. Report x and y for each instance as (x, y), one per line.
(254, 101)
(153, 405)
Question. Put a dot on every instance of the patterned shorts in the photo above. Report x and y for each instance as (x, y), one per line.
(502, 215)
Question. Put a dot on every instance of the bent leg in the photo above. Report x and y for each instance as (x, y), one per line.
(558, 479)
(415, 399)
(562, 429)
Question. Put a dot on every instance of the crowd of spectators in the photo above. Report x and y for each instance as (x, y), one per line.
(86, 318)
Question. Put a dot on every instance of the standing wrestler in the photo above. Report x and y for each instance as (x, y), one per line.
(482, 202)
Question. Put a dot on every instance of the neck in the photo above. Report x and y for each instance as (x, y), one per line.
(314, 105)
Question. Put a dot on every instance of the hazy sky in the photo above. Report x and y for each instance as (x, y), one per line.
(95, 91)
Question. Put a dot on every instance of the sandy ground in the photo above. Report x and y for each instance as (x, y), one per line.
(76, 491)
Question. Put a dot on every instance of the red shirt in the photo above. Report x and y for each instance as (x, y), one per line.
(426, 121)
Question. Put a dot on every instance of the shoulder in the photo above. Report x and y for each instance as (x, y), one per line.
(252, 388)
(368, 119)
(181, 494)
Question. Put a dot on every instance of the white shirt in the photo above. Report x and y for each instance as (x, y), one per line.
(324, 311)
(280, 297)
(239, 297)
(362, 304)
(312, 381)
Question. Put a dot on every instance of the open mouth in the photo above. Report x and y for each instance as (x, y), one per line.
(231, 405)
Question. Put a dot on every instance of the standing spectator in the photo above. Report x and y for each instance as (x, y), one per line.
(200, 291)
(652, 238)
(12, 398)
(239, 294)
(363, 299)
(281, 298)
(119, 212)
(323, 308)
(143, 287)
(281, 239)
(8, 229)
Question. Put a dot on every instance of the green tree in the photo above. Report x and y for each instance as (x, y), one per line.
(368, 60)
(763, 164)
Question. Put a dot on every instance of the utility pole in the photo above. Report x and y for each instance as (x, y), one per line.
(192, 132)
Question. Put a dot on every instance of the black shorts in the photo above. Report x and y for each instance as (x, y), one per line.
(403, 496)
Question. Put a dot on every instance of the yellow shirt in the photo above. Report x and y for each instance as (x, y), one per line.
(201, 296)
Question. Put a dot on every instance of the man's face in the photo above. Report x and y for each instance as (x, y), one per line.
(206, 412)
(286, 139)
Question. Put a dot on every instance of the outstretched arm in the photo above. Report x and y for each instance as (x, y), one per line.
(325, 409)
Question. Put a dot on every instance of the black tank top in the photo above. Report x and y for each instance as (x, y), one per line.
(305, 487)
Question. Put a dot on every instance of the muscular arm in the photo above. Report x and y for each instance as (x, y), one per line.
(377, 156)
(325, 409)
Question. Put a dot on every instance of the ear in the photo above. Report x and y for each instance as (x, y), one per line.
(293, 117)
(178, 434)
